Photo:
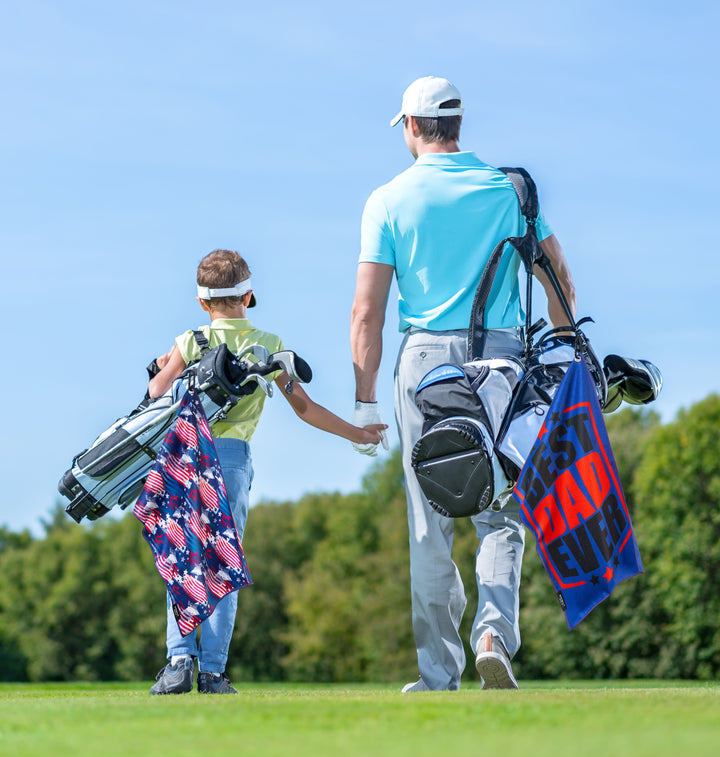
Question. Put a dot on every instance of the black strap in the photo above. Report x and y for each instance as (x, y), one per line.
(526, 191)
(476, 329)
(527, 247)
(531, 254)
(201, 341)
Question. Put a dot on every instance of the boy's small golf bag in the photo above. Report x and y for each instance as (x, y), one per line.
(113, 470)
(482, 418)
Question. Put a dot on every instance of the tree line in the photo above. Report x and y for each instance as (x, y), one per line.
(331, 596)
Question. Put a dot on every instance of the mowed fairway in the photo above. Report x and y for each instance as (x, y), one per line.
(581, 719)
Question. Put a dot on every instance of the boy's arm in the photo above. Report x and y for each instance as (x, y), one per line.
(173, 367)
(320, 417)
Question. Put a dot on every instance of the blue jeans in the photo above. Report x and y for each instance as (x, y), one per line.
(216, 631)
(438, 594)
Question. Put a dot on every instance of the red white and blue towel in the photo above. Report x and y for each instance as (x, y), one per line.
(188, 522)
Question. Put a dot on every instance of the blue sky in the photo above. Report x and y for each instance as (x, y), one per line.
(137, 136)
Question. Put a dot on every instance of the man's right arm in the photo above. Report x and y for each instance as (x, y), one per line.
(366, 325)
(551, 247)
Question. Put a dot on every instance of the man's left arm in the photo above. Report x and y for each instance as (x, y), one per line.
(366, 324)
(551, 247)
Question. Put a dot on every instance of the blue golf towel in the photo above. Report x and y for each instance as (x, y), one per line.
(572, 500)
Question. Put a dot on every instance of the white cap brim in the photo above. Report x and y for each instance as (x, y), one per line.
(435, 113)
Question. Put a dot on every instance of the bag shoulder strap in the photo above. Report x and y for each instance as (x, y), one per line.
(201, 341)
(526, 191)
(526, 246)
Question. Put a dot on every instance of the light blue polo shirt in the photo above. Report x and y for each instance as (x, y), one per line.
(437, 224)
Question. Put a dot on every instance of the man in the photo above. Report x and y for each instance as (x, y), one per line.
(434, 227)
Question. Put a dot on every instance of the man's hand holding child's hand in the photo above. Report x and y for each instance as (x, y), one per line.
(368, 417)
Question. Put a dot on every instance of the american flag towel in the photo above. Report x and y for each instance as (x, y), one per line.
(187, 519)
(571, 499)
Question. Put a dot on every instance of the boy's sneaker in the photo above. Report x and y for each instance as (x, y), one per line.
(215, 683)
(418, 685)
(493, 664)
(177, 679)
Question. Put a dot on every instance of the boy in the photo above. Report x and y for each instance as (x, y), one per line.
(225, 292)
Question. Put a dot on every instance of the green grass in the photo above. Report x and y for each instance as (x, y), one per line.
(578, 719)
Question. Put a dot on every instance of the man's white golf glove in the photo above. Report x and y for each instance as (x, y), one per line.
(366, 414)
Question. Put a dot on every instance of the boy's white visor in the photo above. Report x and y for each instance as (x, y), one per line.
(241, 288)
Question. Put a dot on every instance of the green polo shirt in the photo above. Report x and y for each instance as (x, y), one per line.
(237, 333)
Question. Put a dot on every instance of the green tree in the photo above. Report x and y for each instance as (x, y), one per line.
(13, 662)
(349, 604)
(54, 599)
(270, 545)
(629, 431)
(84, 602)
(677, 494)
(135, 617)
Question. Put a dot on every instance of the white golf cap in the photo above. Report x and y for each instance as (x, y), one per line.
(424, 97)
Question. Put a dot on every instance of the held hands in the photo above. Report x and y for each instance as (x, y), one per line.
(372, 434)
(367, 415)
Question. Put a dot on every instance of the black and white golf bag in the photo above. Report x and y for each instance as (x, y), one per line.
(114, 468)
(482, 418)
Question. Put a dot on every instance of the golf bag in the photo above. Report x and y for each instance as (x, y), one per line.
(114, 468)
(482, 418)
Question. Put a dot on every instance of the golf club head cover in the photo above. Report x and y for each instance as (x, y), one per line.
(221, 368)
(636, 382)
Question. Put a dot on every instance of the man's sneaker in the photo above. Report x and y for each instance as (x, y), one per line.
(176, 679)
(418, 685)
(493, 664)
(215, 683)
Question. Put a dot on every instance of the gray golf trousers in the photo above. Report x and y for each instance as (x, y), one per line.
(438, 595)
